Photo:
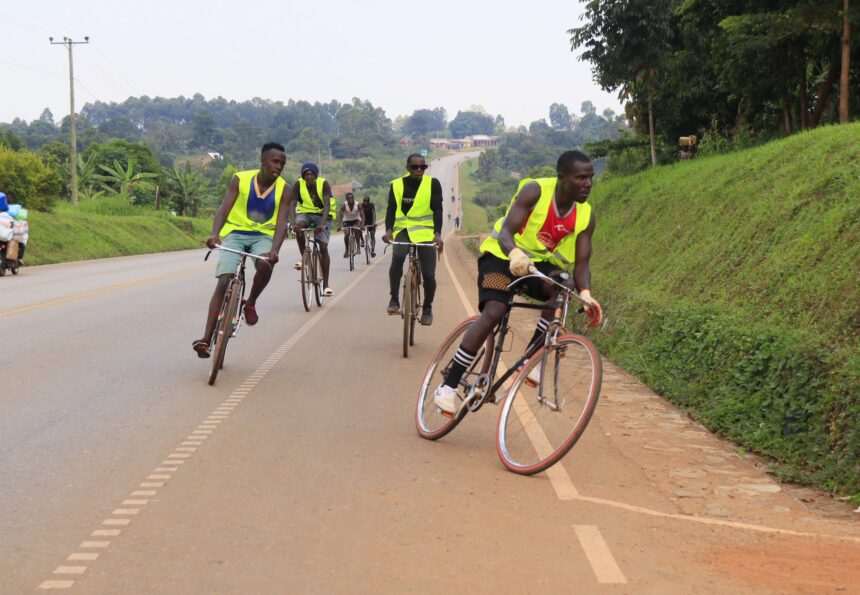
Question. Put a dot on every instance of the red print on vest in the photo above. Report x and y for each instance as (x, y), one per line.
(555, 228)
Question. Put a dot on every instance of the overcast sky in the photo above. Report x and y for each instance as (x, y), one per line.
(510, 56)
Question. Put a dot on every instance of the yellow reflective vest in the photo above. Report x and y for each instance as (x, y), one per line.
(306, 203)
(237, 218)
(418, 222)
(564, 254)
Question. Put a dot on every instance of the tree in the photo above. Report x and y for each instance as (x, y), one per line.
(559, 117)
(29, 181)
(47, 116)
(846, 65)
(488, 161)
(423, 122)
(626, 42)
(203, 129)
(469, 123)
(186, 187)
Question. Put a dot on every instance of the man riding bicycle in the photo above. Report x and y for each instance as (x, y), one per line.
(548, 225)
(313, 206)
(352, 222)
(252, 218)
(370, 223)
(414, 215)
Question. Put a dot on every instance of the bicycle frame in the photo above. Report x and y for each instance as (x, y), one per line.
(476, 394)
(238, 275)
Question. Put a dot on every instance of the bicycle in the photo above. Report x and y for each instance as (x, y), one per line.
(369, 243)
(535, 428)
(311, 277)
(230, 314)
(410, 302)
(352, 244)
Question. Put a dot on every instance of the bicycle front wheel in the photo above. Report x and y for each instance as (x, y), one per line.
(539, 425)
(367, 247)
(351, 250)
(406, 312)
(223, 330)
(306, 281)
(416, 303)
(430, 422)
(318, 277)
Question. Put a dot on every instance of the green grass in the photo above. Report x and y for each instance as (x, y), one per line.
(68, 234)
(732, 286)
(475, 219)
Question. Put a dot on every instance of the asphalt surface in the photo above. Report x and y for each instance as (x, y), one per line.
(122, 471)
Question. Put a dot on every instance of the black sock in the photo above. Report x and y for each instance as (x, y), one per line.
(462, 360)
(542, 325)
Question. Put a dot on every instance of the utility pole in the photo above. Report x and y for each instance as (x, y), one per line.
(73, 166)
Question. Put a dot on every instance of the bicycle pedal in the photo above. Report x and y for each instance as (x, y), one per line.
(531, 383)
(445, 413)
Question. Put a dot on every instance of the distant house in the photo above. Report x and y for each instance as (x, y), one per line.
(405, 141)
(482, 140)
(340, 190)
(440, 143)
(209, 158)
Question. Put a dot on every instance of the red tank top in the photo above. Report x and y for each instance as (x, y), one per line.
(554, 228)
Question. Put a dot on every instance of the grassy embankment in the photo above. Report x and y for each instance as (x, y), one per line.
(731, 286)
(109, 227)
(474, 216)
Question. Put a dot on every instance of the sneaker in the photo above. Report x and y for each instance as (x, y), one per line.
(327, 292)
(345, 255)
(298, 265)
(393, 306)
(533, 379)
(446, 399)
(427, 316)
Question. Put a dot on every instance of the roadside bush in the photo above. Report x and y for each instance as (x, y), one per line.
(29, 181)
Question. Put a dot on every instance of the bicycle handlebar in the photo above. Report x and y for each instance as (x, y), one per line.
(239, 252)
(534, 273)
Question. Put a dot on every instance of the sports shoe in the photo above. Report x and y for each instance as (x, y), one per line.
(393, 306)
(298, 265)
(533, 379)
(446, 399)
(427, 315)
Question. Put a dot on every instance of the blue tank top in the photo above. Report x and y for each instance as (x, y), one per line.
(259, 209)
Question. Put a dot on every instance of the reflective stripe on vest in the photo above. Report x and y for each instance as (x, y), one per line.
(418, 222)
(306, 203)
(237, 218)
(564, 254)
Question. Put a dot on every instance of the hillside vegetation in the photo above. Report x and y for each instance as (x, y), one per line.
(732, 288)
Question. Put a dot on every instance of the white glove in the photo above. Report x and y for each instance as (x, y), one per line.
(593, 309)
(520, 263)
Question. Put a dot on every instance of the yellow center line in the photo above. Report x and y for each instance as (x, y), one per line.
(86, 294)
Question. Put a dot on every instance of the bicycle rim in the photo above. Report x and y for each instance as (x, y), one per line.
(429, 420)
(222, 335)
(318, 288)
(407, 314)
(305, 281)
(367, 248)
(351, 251)
(533, 435)
(416, 305)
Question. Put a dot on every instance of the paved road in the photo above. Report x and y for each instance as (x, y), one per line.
(122, 471)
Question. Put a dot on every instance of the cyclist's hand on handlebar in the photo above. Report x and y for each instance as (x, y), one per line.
(593, 309)
(520, 263)
(440, 245)
(272, 257)
(213, 241)
(386, 237)
(296, 228)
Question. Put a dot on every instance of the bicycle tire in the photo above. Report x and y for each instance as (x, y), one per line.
(416, 303)
(367, 247)
(531, 436)
(318, 277)
(429, 421)
(351, 244)
(406, 312)
(223, 330)
(305, 280)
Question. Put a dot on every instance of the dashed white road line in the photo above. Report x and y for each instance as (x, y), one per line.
(602, 562)
(159, 477)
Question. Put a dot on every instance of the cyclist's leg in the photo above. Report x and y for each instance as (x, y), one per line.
(428, 257)
(258, 245)
(215, 307)
(323, 237)
(346, 231)
(301, 221)
(398, 257)
(539, 290)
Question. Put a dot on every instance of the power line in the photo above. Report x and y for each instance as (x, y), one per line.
(106, 76)
(30, 68)
(118, 71)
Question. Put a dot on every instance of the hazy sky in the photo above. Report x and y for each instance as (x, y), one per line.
(511, 56)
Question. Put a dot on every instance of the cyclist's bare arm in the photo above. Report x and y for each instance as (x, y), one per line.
(281, 224)
(223, 211)
(581, 269)
(524, 202)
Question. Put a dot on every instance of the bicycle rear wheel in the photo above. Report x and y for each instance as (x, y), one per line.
(367, 247)
(351, 249)
(406, 312)
(430, 422)
(317, 276)
(538, 426)
(306, 280)
(223, 330)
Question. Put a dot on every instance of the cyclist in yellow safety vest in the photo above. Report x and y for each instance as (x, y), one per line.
(252, 218)
(414, 215)
(313, 206)
(548, 225)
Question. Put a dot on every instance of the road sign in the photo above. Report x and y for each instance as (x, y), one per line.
(423, 152)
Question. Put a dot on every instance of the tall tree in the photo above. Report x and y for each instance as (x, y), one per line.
(846, 65)
(559, 117)
(626, 42)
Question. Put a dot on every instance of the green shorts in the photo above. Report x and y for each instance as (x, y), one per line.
(255, 244)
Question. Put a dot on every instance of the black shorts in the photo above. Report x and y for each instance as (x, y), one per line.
(353, 223)
(494, 276)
